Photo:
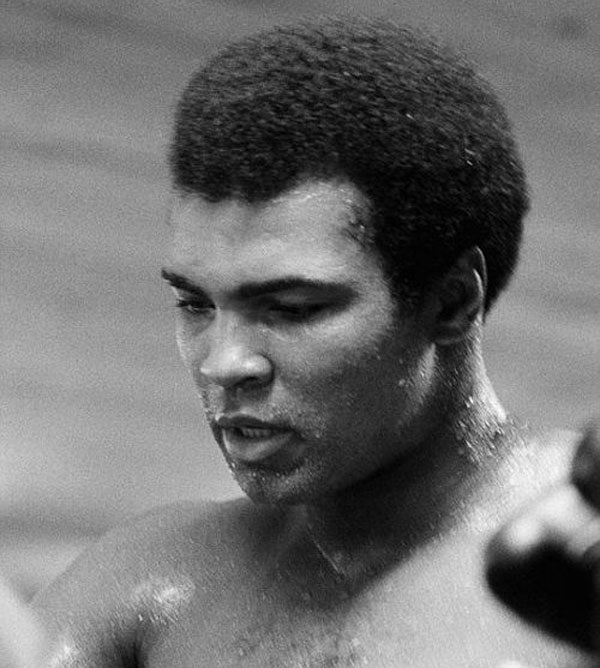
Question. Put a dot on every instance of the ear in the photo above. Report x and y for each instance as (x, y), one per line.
(460, 297)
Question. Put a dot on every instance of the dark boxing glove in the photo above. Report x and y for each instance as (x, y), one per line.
(545, 563)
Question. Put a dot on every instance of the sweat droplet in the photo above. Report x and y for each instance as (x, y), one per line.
(460, 428)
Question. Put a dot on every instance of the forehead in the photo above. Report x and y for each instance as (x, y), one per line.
(310, 230)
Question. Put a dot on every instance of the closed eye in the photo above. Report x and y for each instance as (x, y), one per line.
(296, 312)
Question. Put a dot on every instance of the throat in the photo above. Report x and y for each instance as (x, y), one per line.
(426, 495)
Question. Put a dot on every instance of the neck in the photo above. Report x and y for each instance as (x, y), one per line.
(427, 491)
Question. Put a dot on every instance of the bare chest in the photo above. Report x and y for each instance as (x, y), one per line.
(417, 617)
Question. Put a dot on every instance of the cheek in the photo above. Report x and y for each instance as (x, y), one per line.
(183, 345)
(342, 369)
(385, 380)
(191, 349)
(190, 357)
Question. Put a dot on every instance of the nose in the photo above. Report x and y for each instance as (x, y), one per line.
(233, 361)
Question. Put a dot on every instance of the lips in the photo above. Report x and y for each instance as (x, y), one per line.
(249, 440)
(254, 432)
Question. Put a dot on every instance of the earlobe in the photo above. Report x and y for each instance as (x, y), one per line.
(460, 297)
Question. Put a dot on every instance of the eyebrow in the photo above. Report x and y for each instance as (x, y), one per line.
(256, 288)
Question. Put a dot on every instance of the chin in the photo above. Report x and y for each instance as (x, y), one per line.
(277, 488)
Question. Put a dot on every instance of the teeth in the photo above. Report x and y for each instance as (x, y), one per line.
(254, 432)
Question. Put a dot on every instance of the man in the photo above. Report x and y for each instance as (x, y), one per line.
(347, 206)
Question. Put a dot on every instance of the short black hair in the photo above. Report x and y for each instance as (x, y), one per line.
(401, 116)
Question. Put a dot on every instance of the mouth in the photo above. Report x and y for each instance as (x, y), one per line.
(249, 440)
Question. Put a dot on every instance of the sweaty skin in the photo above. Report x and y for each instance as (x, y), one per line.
(376, 456)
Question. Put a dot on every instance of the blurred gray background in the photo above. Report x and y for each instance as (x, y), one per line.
(99, 421)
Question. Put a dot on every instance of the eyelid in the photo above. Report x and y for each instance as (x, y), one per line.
(184, 295)
(308, 294)
(295, 300)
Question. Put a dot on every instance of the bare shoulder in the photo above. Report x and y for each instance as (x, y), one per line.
(136, 577)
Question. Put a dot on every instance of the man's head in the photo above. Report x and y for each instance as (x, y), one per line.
(388, 109)
(334, 186)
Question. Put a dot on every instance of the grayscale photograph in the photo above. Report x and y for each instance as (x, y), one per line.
(300, 334)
